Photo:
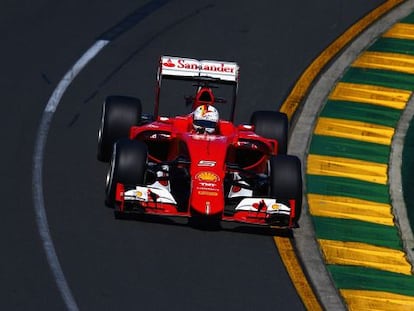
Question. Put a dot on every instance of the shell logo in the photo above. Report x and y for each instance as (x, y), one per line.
(138, 194)
(275, 207)
(207, 176)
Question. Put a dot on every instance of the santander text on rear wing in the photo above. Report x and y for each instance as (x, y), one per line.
(188, 68)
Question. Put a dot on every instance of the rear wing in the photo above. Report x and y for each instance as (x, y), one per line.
(192, 69)
(181, 68)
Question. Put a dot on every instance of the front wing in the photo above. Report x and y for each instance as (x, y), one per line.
(159, 201)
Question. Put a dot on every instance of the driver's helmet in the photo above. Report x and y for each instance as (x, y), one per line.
(205, 118)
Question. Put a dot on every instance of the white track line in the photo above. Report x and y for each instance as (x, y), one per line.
(37, 182)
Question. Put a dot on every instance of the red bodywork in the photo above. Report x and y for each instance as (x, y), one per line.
(209, 157)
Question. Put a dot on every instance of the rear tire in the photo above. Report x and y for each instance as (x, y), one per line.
(128, 166)
(273, 125)
(286, 181)
(119, 113)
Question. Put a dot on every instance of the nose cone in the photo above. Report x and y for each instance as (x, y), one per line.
(207, 194)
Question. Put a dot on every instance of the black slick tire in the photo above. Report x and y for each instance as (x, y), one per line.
(273, 125)
(128, 166)
(286, 181)
(119, 113)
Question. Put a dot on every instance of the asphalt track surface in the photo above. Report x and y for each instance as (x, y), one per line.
(121, 265)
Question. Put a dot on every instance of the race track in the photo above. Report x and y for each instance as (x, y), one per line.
(109, 264)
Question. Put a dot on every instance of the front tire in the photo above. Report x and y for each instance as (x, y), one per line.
(286, 181)
(119, 113)
(128, 166)
(272, 125)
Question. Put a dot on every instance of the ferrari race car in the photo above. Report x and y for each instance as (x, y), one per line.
(195, 164)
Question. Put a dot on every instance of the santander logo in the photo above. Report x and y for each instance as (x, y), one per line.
(169, 63)
(193, 65)
(217, 68)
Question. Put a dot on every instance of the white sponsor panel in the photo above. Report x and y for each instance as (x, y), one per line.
(222, 70)
(271, 206)
(188, 67)
(183, 67)
(144, 194)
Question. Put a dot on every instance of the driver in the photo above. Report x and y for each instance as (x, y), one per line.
(205, 119)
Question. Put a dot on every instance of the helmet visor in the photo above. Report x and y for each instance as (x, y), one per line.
(205, 124)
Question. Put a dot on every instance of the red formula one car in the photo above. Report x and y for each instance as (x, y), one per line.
(197, 164)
